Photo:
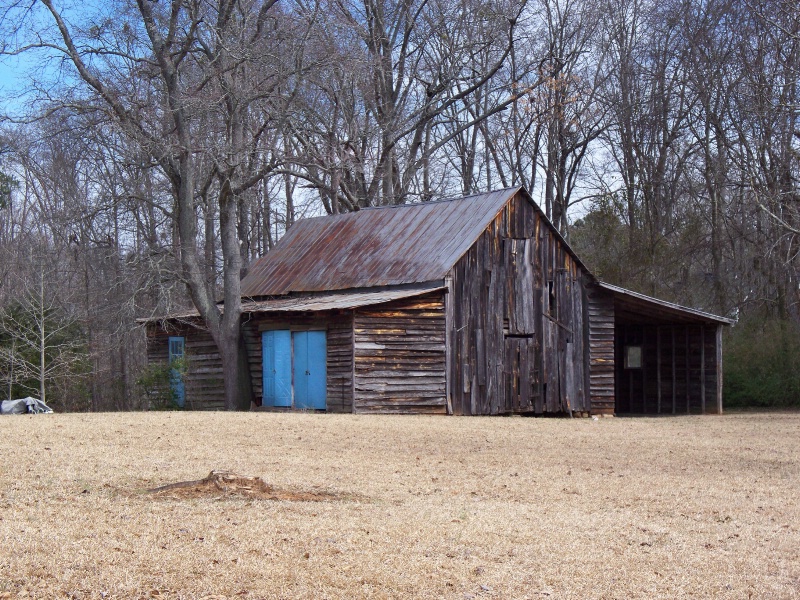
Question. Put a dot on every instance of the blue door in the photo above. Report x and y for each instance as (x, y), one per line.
(277, 368)
(176, 347)
(309, 369)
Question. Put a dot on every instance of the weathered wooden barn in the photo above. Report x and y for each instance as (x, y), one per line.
(473, 306)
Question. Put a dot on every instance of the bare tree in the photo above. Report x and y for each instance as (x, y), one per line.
(200, 89)
(41, 337)
(373, 117)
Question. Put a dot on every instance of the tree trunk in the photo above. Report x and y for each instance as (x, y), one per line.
(42, 339)
(228, 337)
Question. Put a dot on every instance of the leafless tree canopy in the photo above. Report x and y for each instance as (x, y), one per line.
(159, 147)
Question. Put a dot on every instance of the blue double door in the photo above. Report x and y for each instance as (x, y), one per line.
(294, 369)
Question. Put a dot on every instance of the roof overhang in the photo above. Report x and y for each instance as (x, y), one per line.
(632, 306)
(344, 300)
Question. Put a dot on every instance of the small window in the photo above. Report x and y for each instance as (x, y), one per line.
(633, 357)
(551, 299)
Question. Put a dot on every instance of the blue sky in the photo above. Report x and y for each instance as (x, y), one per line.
(11, 77)
(14, 74)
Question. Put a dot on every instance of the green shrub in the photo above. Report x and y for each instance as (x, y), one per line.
(154, 384)
(762, 364)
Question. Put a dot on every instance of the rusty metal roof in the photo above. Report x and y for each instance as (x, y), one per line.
(313, 303)
(409, 243)
(647, 306)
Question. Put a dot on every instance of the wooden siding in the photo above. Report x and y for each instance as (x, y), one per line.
(680, 373)
(339, 350)
(252, 342)
(340, 364)
(517, 321)
(203, 380)
(204, 387)
(399, 363)
(600, 309)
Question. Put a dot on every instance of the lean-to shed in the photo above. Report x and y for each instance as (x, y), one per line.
(473, 306)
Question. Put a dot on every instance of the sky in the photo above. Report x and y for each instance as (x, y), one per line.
(11, 79)
(15, 73)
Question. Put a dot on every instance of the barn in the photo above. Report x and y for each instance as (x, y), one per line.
(471, 306)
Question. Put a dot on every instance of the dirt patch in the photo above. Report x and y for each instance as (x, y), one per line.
(225, 484)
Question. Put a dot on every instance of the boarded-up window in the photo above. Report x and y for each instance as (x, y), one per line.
(633, 357)
(520, 299)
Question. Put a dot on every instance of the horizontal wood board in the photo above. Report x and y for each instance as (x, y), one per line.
(600, 310)
(399, 357)
(204, 386)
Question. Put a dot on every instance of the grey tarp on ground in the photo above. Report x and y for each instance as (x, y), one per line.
(24, 405)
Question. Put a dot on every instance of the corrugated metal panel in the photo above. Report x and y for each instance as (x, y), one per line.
(336, 301)
(637, 303)
(410, 243)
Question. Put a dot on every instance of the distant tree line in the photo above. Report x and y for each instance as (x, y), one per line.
(160, 147)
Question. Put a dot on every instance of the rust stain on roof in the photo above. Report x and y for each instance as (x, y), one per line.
(316, 302)
(405, 244)
(637, 301)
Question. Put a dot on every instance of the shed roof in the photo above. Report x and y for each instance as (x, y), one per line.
(316, 302)
(408, 243)
(633, 306)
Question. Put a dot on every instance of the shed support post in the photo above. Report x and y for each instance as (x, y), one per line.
(674, 379)
(719, 369)
(703, 369)
(644, 369)
(658, 368)
(688, 372)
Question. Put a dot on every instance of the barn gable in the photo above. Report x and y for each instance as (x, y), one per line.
(518, 317)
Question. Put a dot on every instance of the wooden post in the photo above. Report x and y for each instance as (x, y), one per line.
(644, 370)
(626, 339)
(703, 369)
(688, 379)
(658, 368)
(674, 379)
(719, 369)
(448, 344)
(630, 390)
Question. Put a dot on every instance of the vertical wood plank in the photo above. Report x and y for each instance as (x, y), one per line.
(644, 369)
(524, 375)
(448, 343)
(658, 369)
(719, 369)
(703, 369)
(630, 390)
(674, 377)
(688, 369)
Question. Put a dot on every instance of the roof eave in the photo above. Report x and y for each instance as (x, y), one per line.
(305, 302)
(698, 314)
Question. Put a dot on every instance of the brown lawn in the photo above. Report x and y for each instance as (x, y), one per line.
(401, 507)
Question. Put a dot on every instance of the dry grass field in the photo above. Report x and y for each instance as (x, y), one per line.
(401, 507)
